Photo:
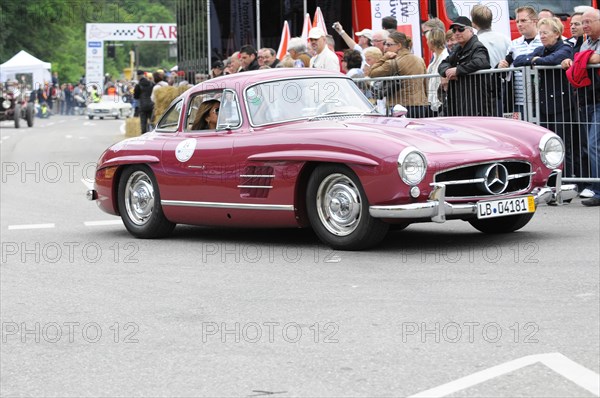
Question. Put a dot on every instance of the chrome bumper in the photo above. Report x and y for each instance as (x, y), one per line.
(437, 209)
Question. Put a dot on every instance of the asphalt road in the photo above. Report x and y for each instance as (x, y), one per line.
(87, 310)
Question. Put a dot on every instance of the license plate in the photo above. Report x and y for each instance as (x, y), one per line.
(505, 207)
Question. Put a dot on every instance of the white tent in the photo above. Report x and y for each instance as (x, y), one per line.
(24, 62)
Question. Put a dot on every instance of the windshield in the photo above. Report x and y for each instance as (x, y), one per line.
(285, 100)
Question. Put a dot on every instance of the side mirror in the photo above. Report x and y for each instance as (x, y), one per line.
(398, 110)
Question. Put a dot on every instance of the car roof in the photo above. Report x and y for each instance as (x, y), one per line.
(244, 79)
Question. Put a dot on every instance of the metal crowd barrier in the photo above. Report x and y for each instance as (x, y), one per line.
(523, 93)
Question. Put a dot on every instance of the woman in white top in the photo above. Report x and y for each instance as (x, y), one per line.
(436, 40)
(159, 83)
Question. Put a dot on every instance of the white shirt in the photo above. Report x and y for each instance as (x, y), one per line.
(434, 82)
(496, 43)
(326, 59)
(519, 47)
(157, 86)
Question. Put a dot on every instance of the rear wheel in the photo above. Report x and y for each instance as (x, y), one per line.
(339, 212)
(30, 114)
(17, 116)
(139, 204)
(502, 225)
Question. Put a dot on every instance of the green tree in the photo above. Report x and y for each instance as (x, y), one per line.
(54, 31)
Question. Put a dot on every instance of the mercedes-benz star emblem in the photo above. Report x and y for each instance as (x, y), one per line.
(496, 178)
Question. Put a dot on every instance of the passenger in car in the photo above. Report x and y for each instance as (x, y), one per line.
(207, 115)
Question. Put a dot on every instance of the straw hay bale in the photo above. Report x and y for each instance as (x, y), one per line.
(133, 127)
(164, 96)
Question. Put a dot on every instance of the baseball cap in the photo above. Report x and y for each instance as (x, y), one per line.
(461, 21)
(316, 33)
(368, 33)
(140, 72)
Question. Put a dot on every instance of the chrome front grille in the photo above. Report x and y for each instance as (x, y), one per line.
(486, 179)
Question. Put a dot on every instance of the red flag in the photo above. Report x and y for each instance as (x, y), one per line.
(319, 21)
(285, 38)
(306, 27)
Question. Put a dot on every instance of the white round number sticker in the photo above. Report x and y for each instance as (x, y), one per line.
(185, 150)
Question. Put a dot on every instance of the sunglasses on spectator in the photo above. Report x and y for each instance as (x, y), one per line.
(389, 44)
(458, 29)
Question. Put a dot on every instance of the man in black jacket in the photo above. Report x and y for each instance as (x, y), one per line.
(142, 93)
(248, 58)
(467, 94)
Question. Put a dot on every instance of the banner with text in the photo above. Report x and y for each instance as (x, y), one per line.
(499, 8)
(406, 13)
(97, 33)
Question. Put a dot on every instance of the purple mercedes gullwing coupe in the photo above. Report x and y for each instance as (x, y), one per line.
(305, 148)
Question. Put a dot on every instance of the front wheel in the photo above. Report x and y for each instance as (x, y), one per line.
(338, 210)
(139, 204)
(17, 116)
(91, 117)
(502, 225)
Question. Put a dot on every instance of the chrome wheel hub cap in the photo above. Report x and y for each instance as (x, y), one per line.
(339, 204)
(139, 198)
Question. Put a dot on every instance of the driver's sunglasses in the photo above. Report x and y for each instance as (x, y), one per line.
(458, 29)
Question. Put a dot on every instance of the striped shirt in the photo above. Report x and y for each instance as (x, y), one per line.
(520, 47)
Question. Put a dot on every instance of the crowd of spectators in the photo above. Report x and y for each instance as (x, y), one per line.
(470, 45)
(568, 107)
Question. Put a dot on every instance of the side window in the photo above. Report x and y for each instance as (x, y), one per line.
(215, 109)
(229, 116)
(170, 120)
(199, 108)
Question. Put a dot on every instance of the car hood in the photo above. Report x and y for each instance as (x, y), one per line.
(494, 136)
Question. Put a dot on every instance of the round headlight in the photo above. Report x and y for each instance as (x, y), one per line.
(552, 150)
(6, 104)
(412, 166)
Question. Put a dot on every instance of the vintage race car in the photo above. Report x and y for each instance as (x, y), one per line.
(109, 106)
(14, 107)
(305, 148)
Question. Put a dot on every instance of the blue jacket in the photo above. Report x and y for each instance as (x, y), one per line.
(555, 92)
(547, 56)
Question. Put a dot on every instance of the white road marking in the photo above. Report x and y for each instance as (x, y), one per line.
(559, 363)
(122, 128)
(6, 137)
(89, 124)
(89, 184)
(103, 222)
(31, 226)
(50, 124)
(68, 136)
